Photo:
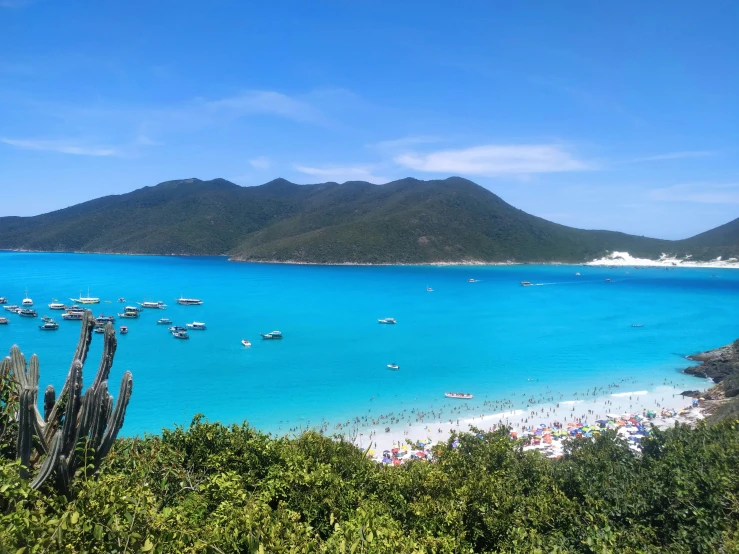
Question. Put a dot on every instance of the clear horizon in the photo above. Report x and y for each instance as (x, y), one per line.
(593, 116)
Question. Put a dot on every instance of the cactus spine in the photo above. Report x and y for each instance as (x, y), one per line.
(71, 421)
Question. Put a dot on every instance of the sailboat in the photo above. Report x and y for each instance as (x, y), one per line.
(27, 301)
(86, 299)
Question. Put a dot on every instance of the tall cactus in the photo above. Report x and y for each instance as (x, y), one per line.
(72, 420)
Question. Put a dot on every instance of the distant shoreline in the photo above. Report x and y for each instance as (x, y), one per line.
(610, 262)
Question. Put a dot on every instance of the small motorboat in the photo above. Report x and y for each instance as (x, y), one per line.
(196, 326)
(473, 280)
(181, 335)
(458, 395)
(49, 326)
(3, 300)
(25, 312)
(189, 301)
(387, 321)
(577, 274)
(105, 319)
(526, 283)
(72, 316)
(637, 325)
(4, 321)
(608, 280)
(57, 306)
(124, 330)
(246, 343)
(272, 336)
(164, 321)
(394, 367)
(122, 300)
(99, 329)
(153, 305)
(177, 329)
(429, 289)
(12, 307)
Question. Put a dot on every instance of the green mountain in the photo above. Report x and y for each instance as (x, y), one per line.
(406, 221)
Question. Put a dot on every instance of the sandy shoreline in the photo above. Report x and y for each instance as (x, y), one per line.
(583, 409)
(615, 259)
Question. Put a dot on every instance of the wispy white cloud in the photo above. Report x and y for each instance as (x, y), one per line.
(675, 156)
(269, 102)
(404, 142)
(261, 162)
(342, 174)
(700, 193)
(494, 160)
(62, 147)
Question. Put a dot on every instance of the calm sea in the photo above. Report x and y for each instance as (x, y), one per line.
(492, 338)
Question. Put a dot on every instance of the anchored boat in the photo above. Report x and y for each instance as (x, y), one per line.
(49, 326)
(189, 301)
(394, 367)
(86, 299)
(196, 326)
(387, 321)
(458, 395)
(153, 305)
(272, 336)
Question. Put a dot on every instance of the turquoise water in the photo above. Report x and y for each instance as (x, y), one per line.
(493, 338)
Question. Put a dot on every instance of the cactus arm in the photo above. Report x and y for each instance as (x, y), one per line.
(50, 462)
(18, 366)
(25, 432)
(63, 477)
(49, 401)
(110, 344)
(72, 412)
(115, 421)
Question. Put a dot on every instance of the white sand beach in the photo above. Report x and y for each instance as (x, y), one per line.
(378, 438)
(626, 259)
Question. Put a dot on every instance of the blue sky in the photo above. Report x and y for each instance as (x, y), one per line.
(617, 115)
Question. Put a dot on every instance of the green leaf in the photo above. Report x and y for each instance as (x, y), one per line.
(147, 546)
(74, 518)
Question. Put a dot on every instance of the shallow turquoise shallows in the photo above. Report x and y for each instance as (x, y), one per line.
(493, 338)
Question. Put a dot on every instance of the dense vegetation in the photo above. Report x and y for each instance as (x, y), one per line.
(217, 489)
(406, 221)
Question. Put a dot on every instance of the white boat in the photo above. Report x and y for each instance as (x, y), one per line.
(57, 306)
(181, 335)
(25, 312)
(608, 280)
(99, 329)
(164, 321)
(637, 325)
(12, 307)
(177, 329)
(189, 301)
(473, 280)
(3, 300)
(72, 316)
(49, 326)
(122, 300)
(577, 274)
(130, 312)
(4, 321)
(525, 283)
(153, 305)
(86, 299)
(124, 330)
(429, 289)
(196, 326)
(394, 367)
(27, 301)
(272, 336)
(459, 395)
(246, 343)
(387, 321)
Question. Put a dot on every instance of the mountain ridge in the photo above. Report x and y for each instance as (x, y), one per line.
(404, 221)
